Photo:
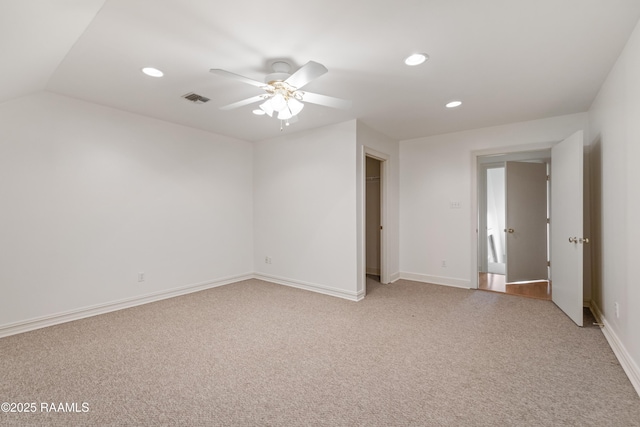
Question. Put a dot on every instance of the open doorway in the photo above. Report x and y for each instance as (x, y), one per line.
(373, 222)
(513, 232)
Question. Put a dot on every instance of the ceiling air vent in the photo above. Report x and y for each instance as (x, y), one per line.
(195, 98)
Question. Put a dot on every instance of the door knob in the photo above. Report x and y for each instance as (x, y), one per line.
(573, 240)
(584, 240)
(511, 230)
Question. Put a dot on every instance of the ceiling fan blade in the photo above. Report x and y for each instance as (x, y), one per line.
(328, 101)
(308, 72)
(234, 76)
(244, 102)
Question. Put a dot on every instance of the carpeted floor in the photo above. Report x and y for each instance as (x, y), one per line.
(259, 354)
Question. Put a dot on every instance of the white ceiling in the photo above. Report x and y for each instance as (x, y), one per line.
(507, 60)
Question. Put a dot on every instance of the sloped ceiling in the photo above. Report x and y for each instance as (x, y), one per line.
(507, 60)
(35, 36)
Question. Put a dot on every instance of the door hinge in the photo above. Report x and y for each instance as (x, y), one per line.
(548, 263)
(548, 221)
(548, 178)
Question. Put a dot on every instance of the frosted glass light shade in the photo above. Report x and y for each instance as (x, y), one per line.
(278, 102)
(295, 106)
(285, 114)
(267, 108)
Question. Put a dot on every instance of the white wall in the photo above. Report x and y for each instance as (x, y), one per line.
(305, 209)
(91, 196)
(614, 121)
(438, 170)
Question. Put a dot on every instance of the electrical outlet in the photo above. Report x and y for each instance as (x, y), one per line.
(444, 263)
(267, 260)
(141, 277)
(455, 205)
(617, 306)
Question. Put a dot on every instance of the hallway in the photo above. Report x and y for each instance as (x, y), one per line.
(496, 283)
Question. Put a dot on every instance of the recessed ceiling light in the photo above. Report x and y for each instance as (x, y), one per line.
(258, 112)
(416, 59)
(453, 104)
(153, 72)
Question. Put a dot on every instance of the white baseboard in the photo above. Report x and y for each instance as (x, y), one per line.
(68, 316)
(394, 277)
(321, 289)
(626, 361)
(437, 280)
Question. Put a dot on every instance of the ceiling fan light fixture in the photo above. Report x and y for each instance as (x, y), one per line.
(453, 104)
(152, 72)
(416, 59)
(282, 93)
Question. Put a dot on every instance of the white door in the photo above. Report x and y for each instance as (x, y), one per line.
(566, 225)
(526, 221)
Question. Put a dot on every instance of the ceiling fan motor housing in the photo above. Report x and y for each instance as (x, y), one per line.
(281, 72)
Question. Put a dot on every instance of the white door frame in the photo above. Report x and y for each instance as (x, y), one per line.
(474, 229)
(383, 158)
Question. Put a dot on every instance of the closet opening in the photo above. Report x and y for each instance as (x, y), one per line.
(373, 222)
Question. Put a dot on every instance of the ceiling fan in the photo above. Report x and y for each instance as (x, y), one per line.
(283, 96)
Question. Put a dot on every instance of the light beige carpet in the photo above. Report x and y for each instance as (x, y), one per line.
(260, 354)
